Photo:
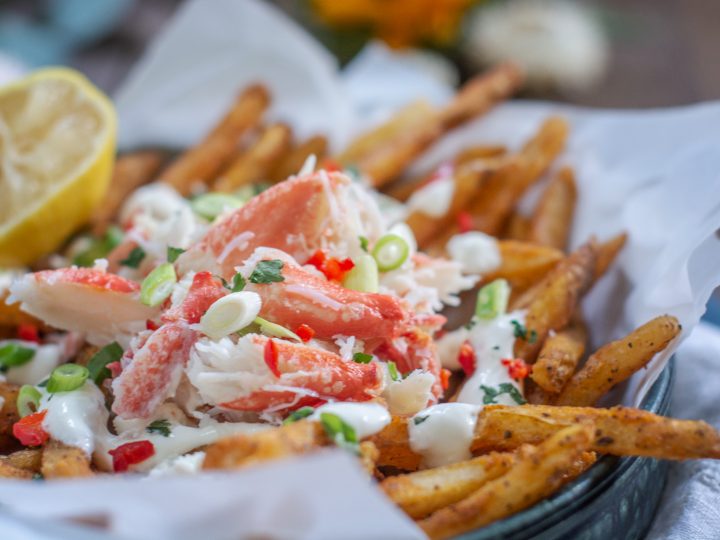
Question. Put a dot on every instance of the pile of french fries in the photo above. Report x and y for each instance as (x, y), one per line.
(523, 453)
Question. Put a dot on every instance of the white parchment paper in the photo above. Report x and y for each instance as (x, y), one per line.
(654, 174)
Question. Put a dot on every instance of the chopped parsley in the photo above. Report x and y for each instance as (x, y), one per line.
(393, 371)
(13, 355)
(363, 243)
(472, 322)
(159, 426)
(503, 388)
(302, 412)
(340, 432)
(238, 283)
(97, 366)
(38, 476)
(522, 333)
(134, 259)
(362, 358)
(173, 253)
(267, 272)
(417, 420)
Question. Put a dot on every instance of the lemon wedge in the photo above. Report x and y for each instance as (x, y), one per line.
(57, 147)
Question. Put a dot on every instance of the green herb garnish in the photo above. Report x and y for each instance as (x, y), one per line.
(268, 272)
(417, 420)
(340, 432)
(393, 371)
(173, 253)
(503, 388)
(13, 355)
(522, 333)
(159, 426)
(134, 259)
(362, 358)
(363, 243)
(97, 364)
(302, 412)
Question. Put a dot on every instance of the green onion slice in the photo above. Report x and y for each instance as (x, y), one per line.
(28, 400)
(341, 433)
(393, 371)
(13, 355)
(158, 285)
(211, 205)
(492, 300)
(302, 412)
(275, 330)
(364, 275)
(67, 377)
(390, 252)
(107, 355)
(230, 314)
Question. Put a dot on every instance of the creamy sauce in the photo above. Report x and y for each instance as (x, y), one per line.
(182, 465)
(434, 198)
(442, 434)
(46, 358)
(365, 418)
(478, 253)
(492, 341)
(448, 347)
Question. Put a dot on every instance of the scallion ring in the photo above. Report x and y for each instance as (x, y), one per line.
(275, 330)
(211, 205)
(492, 300)
(158, 285)
(390, 252)
(28, 400)
(230, 314)
(67, 377)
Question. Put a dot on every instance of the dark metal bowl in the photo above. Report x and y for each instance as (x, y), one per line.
(616, 498)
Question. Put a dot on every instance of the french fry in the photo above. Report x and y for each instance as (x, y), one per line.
(293, 161)
(559, 357)
(204, 161)
(9, 471)
(617, 361)
(131, 171)
(421, 493)
(551, 222)
(62, 461)
(8, 412)
(523, 263)
(392, 443)
(556, 300)
(481, 93)
(538, 472)
(28, 459)
(368, 456)
(517, 227)
(12, 316)
(480, 152)
(256, 162)
(619, 431)
(243, 450)
(607, 252)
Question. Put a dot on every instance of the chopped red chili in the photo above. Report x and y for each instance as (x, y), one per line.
(445, 378)
(28, 332)
(151, 325)
(333, 268)
(271, 357)
(130, 454)
(465, 222)
(467, 359)
(304, 332)
(29, 430)
(518, 369)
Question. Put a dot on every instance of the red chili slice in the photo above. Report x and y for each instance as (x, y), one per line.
(29, 430)
(332, 268)
(467, 359)
(304, 332)
(151, 325)
(445, 378)
(131, 453)
(518, 369)
(28, 332)
(271, 357)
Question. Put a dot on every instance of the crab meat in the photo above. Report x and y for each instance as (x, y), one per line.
(303, 297)
(298, 216)
(204, 291)
(271, 375)
(154, 371)
(104, 306)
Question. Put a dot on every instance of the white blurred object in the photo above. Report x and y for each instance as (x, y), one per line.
(558, 43)
(10, 69)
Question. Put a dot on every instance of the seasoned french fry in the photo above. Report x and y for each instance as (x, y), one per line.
(607, 253)
(559, 357)
(421, 493)
(243, 450)
(12, 316)
(255, 163)
(517, 227)
(368, 456)
(617, 361)
(619, 431)
(538, 472)
(9, 471)
(204, 161)
(556, 300)
(8, 412)
(481, 93)
(552, 219)
(392, 443)
(28, 459)
(131, 171)
(293, 161)
(62, 461)
(523, 263)
(479, 152)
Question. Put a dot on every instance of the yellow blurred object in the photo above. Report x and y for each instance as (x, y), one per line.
(57, 147)
(400, 23)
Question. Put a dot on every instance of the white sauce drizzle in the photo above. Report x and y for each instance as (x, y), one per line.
(477, 252)
(46, 358)
(442, 434)
(365, 418)
(434, 198)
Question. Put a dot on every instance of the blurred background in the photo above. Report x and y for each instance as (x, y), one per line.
(611, 53)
